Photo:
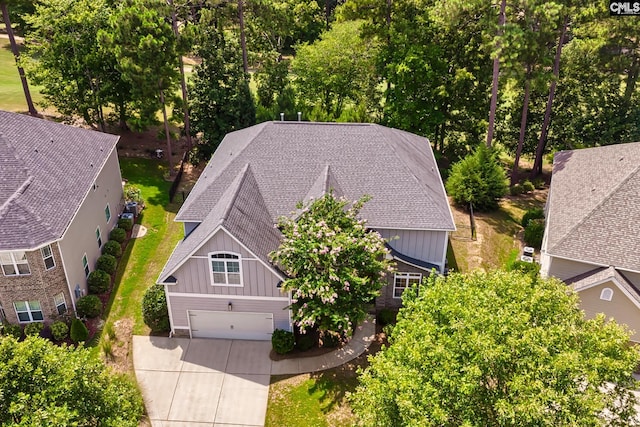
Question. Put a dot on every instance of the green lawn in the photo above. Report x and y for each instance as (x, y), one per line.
(12, 98)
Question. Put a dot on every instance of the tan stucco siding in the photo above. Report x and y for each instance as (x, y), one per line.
(194, 276)
(80, 236)
(181, 304)
(427, 246)
(564, 269)
(620, 307)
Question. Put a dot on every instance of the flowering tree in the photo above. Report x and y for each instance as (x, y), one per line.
(334, 264)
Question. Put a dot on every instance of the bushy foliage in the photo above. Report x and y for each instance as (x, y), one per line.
(334, 264)
(79, 331)
(72, 388)
(33, 329)
(88, 306)
(516, 190)
(478, 179)
(386, 316)
(282, 341)
(330, 339)
(133, 194)
(98, 281)
(305, 342)
(112, 248)
(125, 223)
(534, 233)
(535, 213)
(59, 330)
(107, 263)
(490, 349)
(154, 309)
(118, 234)
(527, 186)
(11, 330)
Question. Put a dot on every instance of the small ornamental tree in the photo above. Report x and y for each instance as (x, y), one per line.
(154, 309)
(498, 349)
(478, 179)
(334, 264)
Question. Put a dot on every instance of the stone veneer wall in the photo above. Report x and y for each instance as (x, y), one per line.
(41, 285)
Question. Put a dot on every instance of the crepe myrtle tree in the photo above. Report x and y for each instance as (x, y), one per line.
(334, 264)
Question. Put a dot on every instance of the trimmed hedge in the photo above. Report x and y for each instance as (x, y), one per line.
(125, 224)
(33, 329)
(282, 341)
(9, 329)
(59, 330)
(534, 232)
(79, 332)
(98, 281)
(107, 263)
(112, 248)
(118, 234)
(154, 309)
(89, 306)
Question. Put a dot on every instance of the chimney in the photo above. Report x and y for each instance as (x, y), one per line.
(282, 117)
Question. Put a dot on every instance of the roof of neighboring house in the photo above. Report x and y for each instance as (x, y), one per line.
(593, 209)
(293, 160)
(601, 275)
(46, 169)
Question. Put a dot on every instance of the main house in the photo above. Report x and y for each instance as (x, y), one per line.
(219, 280)
(592, 233)
(60, 195)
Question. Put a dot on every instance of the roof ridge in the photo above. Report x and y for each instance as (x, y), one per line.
(596, 207)
(241, 177)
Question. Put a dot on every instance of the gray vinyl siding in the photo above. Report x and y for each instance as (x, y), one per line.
(80, 236)
(194, 275)
(180, 305)
(420, 244)
(564, 269)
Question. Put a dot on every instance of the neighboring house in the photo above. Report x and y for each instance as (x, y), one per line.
(219, 280)
(60, 196)
(592, 234)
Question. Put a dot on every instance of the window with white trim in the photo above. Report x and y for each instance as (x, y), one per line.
(402, 281)
(606, 294)
(99, 237)
(107, 212)
(85, 265)
(47, 257)
(28, 311)
(60, 303)
(14, 263)
(225, 269)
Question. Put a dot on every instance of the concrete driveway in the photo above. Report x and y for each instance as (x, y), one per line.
(203, 382)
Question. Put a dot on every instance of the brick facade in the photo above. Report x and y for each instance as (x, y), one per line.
(41, 285)
(386, 299)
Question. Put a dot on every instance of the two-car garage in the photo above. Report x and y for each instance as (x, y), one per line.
(230, 325)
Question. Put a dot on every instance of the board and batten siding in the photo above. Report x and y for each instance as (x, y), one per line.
(194, 275)
(181, 304)
(424, 245)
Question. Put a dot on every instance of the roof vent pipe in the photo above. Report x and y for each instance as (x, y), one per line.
(282, 117)
(299, 116)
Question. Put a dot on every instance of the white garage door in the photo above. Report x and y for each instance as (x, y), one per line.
(231, 325)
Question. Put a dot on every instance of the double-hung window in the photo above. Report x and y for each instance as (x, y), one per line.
(85, 265)
(226, 269)
(14, 263)
(28, 311)
(403, 281)
(107, 213)
(99, 237)
(61, 303)
(47, 257)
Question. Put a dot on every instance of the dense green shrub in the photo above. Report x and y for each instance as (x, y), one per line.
(125, 224)
(154, 309)
(516, 190)
(98, 282)
(478, 179)
(107, 263)
(33, 329)
(534, 233)
(89, 306)
(531, 268)
(79, 332)
(527, 186)
(539, 183)
(59, 330)
(112, 248)
(282, 341)
(386, 316)
(9, 329)
(535, 213)
(305, 342)
(118, 234)
(330, 340)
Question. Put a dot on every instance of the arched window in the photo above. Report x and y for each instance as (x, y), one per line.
(606, 294)
(226, 269)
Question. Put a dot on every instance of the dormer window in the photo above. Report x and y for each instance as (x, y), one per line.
(225, 269)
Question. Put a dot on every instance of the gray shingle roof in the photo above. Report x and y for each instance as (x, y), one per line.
(46, 169)
(601, 275)
(397, 169)
(593, 211)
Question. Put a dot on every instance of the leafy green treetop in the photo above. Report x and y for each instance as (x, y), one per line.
(334, 264)
(499, 349)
